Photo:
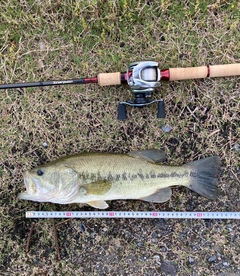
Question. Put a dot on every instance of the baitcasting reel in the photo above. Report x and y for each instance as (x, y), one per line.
(143, 78)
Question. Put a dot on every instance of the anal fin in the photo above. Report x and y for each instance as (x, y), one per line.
(100, 204)
(162, 195)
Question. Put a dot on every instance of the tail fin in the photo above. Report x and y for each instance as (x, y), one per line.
(204, 176)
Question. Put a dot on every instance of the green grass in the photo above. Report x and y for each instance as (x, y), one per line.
(42, 40)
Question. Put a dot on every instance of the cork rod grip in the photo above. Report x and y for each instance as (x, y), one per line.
(225, 70)
(105, 79)
(204, 72)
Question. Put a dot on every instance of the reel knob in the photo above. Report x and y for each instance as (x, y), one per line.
(161, 109)
(122, 112)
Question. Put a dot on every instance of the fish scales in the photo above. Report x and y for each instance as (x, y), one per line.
(117, 167)
(126, 172)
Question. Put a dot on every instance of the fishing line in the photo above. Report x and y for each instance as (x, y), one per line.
(132, 214)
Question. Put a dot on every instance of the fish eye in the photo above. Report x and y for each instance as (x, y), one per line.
(39, 172)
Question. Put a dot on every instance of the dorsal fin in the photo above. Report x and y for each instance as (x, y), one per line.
(151, 155)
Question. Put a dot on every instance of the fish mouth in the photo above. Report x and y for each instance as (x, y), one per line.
(33, 187)
(26, 180)
(32, 184)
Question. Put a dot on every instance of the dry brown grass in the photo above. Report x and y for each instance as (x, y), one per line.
(43, 40)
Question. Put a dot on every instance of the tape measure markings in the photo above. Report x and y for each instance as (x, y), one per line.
(132, 214)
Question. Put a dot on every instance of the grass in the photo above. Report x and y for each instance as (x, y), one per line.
(41, 40)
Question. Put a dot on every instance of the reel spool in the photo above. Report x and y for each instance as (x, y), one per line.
(143, 78)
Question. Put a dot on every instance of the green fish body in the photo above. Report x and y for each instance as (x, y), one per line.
(94, 178)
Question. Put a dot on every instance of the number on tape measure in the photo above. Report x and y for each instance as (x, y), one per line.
(132, 214)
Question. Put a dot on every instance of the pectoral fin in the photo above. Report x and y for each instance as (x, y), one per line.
(100, 204)
(162, 195)
(152, 155)
(98, 187)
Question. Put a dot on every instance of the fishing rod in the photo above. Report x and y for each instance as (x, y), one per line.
(143, 78)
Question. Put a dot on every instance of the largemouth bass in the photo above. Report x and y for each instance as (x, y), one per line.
(93, 178)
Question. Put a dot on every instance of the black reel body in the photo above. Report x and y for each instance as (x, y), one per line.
(143, 78)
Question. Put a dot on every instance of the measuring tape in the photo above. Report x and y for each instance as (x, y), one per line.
(133, 214)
